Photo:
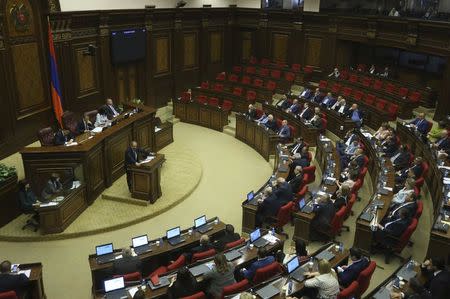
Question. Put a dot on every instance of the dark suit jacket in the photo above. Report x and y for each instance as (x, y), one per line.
(250, 272)
(292, 146)
(339, 107)
(127, 264)
(390, 147)
(318, 123)
(411, 207)
(438, 285)
(180, 290)
(331, 101)
(225, 239)
(81, 127)
(421, 124)
(308, 93)
(350, 274)
(397, 228)
(51, 188)
(251, 114)
(284, 192)
(443, 144)
(296, 182)
(271, 205)
(317, 98)
(402, 161)
(340, 202)
(360, 161)
(303, 161)
(60, 138)
(109, 112)
(202, 248)
(309, 113)
(324, 213)
(272, 125)
(130, 158)
(12, 282)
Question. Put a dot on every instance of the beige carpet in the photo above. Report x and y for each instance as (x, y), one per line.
(180, 175)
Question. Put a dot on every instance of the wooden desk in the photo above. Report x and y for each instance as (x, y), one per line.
(309, 133)
(35, 287)
(240, 104)
(98, 161)
(55, 219)
(256, 136)
(262, 93)
(163, 136)
(204, 115)
(146, 180)
(9, 200)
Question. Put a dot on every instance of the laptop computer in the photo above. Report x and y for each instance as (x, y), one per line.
(140, 244)
(174, 236)
(105, 253)
(325, 255)
(233, 255)
(255, 239)
(115, 288)
(268, 291)
(199, 270)
(163, 281)
(368, 216)
(201, 225)
(250, 196)
(308, 207)
(294, 270)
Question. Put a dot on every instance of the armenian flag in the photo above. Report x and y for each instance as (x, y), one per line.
(55, 86)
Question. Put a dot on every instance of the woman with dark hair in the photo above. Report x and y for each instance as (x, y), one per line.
(301, 251)
(184, 284)
(27, 198)
(220, 276)
(102, 117)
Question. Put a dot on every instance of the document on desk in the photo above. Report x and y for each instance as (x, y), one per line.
(157, 129)
(26, 272)
(148, 159)
(75, 184)
(48, 204)
(71, 144)
(97, 130)
(133, 291)
(271, 238)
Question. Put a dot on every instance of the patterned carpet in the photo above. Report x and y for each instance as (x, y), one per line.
(180, 175)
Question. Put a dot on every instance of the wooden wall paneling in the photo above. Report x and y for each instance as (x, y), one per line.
(443, 105)
(328, 53)
(279, 46)
(179, 56)
(262, 44)
(313, 49)
(204, 47)
(163, 80)
(297, 41)
(344, 50)
(246, 45)
(86, 70)
(150, 97)
(162, 54)
(228, 41)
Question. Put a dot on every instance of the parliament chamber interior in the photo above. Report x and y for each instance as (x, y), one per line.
(224, 149)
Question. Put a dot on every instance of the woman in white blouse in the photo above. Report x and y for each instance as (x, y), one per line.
(101, 119)
(325, 281)
(401, 195)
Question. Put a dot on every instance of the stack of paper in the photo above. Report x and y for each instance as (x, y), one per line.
(26, 272)
(157, 129)
(148, 159)
(271, 238)
(48, 204)
(71, 144)
(97, 130)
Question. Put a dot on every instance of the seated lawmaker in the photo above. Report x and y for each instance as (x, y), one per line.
(111, 110)
(389, 146)
(436, 132)
(228, 237)
(349, 137)
(133, 154)
(350, 182)
(437, 277)
(251, 112)
(27, 198)
(296, 147)
(386, 235)
(297, 180)
(317, 120)
(355, 115)
(220, 276)
(85, 125)
(204, 245)
(285, 131)
(317, 97)
(323, 214)
(420, 123)
(306, 93)
(53, 186)
(383, 132)
(342, 197)
(263, 260)
(401, 195)
(63, 137)
(182, 285)
(350, 273)
(359, 157)
(271, 123)
(11, 281)
(410, 205)
(328, 101)
(127, 264)
(325, 281)
(294, 108)
(400, 160)
(263, 119)
(300, 159)
(282, 190)
(414, 290)
(307, 113)
(443, 144)
(335, 73)
(352, 169)
(101, 119)
(340, 106)
(416, 171)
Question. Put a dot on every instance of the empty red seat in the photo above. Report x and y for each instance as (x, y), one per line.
(290, 77)
(159, 271)
(221, 76)
(336, 222)
(353, 78)
(8, 295)
(203, 255)
(251, 96)
(390, 88)
(281, 65)
(323, 84)
(233, 78)
(218, 87)
(403, 92)
(296, 67)
(185, 97)
(263, 72)
(202, 99)
(199, 295)
(237, 69)
(237, 91)
(227, 105)
(204, 85)
(414, 97)
(358, 95)
(308, 69)
(258, 83)
(366, 81)
(392, 110)
(265, 61)
(381, 104)
(349, 292)
(250, 70)
(419, 209)
(377, 85)
(284, 215)
(275, 74)
(246, 80)
(370, 99)
(346, 91)
(253, 60)
(364, 278)
(134, 276)
(213, 102)
(178, 263)
(336, 88)
(271, 85)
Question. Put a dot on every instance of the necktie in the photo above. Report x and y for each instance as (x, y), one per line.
(135, 155)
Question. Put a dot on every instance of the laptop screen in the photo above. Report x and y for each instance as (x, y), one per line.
(250, 195)
(302, 203)
(200, 221)
(293, 264)
(255, 235)
(139, 241)
(172, 233)
(104, 249)
(114, 284)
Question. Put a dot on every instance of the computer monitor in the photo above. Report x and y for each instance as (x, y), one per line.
(172, 233)
(250, 195)
(104, 249)
(255, 235)
(114, 284)
(200, 221)
(292, 265)
(139, 241)
(302, 203)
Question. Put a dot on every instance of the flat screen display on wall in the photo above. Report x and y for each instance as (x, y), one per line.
(128, 45)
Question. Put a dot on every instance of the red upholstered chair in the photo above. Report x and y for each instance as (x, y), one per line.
(356, 186)
(265, 61)
(358, 95)
(416, 191)
(178, 263)
(213, 102)
(293, 131)
(250, 70)
(159, 271)
(390, 88)
(204, 85)
(134, 276)
(308, 69)
(336, 88)
(271, 85)
(349, 206)
(349, 292)
(364, 279)
(276, 74)
(46, 136)
(346, 91)
(237, 91)
(343, 75)
(202, 99)
(366, 161)
(419, 182)
(353, 78)
(366, 81)
(425, 168)
(403, 92)
(253, 60)
(91, 114)
(284, 216)
(8, 295)
(221, 76)
(401, 242)
(251, 96)
(235, 243)
(296, 67)
(281, 65)
(246, 80)
(325, 124)
(258, 83)
(419, 210)
(237, 69)
(392, 109)
(199, 295)
(218, 87)
(69, 122)
(185, 97)
(233, 78)
(303, 189)
(235, 288)
(414, 97)
(278, 122)
(323, 84)
(290, 77)
(381, 104)
(311, 171)
(370, 99)
(263, 72)
(336, 223)
(259, 113)
(377, 85)
(203, 255)
(227, 105)
(361, 67)
(362, 174)
(264, 273)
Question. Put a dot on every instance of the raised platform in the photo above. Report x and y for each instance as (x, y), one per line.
(115, 208)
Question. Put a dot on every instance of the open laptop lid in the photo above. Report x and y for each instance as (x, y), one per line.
(114, 284)
(302, 203)
(139, 241)
(200, 221)
(250, 195)
(255, 235)
(292, 265)
(104, 249)
(173, 233)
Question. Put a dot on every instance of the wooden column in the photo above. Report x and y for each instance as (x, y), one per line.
(177, 56)
(204, 48)
(150, 98)
(262, 43)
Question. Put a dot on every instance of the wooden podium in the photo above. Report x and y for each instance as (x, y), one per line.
(146, 180)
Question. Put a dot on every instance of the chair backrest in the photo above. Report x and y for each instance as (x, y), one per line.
(419, 182)
(178, 263)
(213, 102)
(349, 206)
(253, 60)
(349, 292)
(290, 77)
(275, 74)
(199, 295)
(390, 87)
(364, 278)
(218, 87)
(336, 222)
(202, 99)
(160, 271)
(258, 82)
(204, 85)
(8, 295)
(358, 95)
(284, 214)
(250, 70)
(366, 81)
(393, 110)
(46, 136)
(263, 72)
(404, 238)
(366, 161)
(265, 61)
(323, 84)
(403, 92)
(69, 122)
(134, 276)
(185, 97)
(325, 124)
(296, 67)
(203, 255)
(377, 84)
(266, 272)
(237, 91)
(233, 78)
(235, 288)
(271, 85)
(381, 104)
(246, 80)
(91, 114)
(336, 87)
(251, 95)
(356, 186)
(221, 76)
(414, 96)
(370, 99)
(353, 78)
(346, 91)
(308, 69)
(237, 69)
(419, 209)
(227, 105)
(234, 243)
(425, 168)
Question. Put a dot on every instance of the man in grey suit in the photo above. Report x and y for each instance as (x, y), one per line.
(53, 186)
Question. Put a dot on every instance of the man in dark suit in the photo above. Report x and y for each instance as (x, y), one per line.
(340, 106)
(355, 115)
(420, 123)
(204, 245)
(263, 260)
(389, 146)
(127, 264)
(348, 274)
(296, 147)
(307, 113)
(359, 158)
(342, 196)
(415, 170)
(328, 101)
(282, 190)
(52, 187)
(85, 125)
(251, 112)
(271, 123)
(63, 137)
(300, 159)
(132, 156)
(10, 281)
(386, 235)
(111, 110)
(294, 108)
(317, 120)
(350, 136)
(297, 180)
(443, 144)
(268, 206)
(409, 205)
(228, 237)
(324, 213)
(306, 94)
(401, 159)
(317, 97)
(285, 131)
(438, 277)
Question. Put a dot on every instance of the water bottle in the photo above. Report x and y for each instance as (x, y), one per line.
(160, 241)
(272, 232)
(289, 289)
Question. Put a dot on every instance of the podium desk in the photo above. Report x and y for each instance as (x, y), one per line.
(146, 179)
(203, 115)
